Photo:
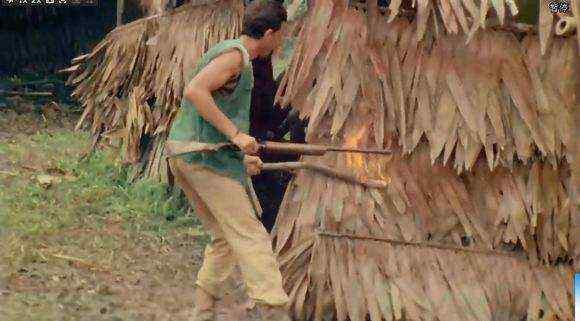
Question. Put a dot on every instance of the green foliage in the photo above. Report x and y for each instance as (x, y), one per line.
(529, 11)
(280, 65)
(302, 8)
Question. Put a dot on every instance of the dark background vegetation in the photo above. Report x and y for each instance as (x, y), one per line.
(36, 43)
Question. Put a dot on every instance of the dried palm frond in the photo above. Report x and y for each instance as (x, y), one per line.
(495, 111)
(575, 182)
(127, 77)
(352, 279)
(452, 16)
(575, 4)
(343, 248)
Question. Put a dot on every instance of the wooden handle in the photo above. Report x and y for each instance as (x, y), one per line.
(292, 148)
(316, 150)
(289, 166)
(360, 150)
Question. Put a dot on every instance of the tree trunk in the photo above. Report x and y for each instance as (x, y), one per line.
(120, 9)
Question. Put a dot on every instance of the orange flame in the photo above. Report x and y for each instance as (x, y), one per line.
(355, 160)
(365, 165)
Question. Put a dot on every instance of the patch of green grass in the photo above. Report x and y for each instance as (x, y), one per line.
(93, 193)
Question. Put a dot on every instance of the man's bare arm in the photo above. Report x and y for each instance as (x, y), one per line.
(214, 76)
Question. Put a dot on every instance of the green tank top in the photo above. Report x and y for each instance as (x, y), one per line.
(235, 104)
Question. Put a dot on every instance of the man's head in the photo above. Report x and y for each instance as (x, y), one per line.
(263, 20)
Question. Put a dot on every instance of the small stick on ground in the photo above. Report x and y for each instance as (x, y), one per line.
(26, 93)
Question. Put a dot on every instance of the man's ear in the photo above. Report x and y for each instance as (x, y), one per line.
(269, 33)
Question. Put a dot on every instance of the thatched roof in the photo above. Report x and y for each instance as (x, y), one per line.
(493, 110)
(131, 83)
(469, 88)
(124, 60)
(480, 218)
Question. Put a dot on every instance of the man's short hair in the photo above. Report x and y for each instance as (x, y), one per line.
(262, 15)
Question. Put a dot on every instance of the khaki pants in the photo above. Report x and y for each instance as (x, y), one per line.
(238, 237)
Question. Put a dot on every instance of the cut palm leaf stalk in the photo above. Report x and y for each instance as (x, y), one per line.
(513, 255)
(566, 25)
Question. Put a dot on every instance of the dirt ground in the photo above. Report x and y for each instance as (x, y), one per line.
(90, 263)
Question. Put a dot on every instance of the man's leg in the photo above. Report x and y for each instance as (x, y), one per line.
(218, 264)
(219, 260)
(230, 205)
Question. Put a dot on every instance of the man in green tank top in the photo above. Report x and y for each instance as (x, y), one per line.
(216, 109)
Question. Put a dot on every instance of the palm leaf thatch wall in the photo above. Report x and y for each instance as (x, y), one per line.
(131, 84)
(480, 220)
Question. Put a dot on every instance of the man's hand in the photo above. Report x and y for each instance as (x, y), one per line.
(247, 144)
(253, 165)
